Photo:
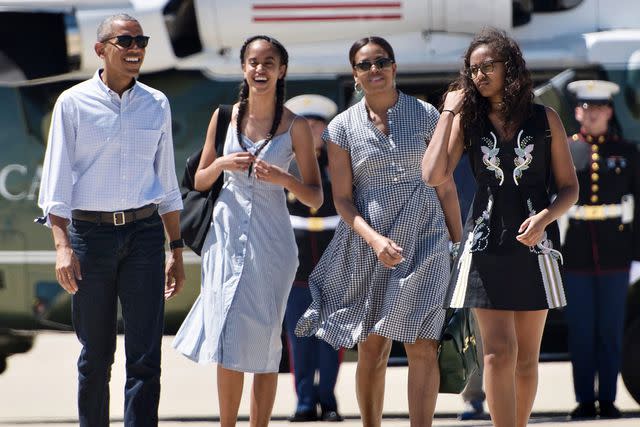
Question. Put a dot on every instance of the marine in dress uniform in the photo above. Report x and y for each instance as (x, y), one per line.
(601, 241)
(313, 229)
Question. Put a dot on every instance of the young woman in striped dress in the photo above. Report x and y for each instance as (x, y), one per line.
(249, 257)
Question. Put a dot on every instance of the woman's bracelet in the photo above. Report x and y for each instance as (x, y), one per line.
(451, 111)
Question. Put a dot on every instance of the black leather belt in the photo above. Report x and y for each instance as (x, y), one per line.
(115, 218)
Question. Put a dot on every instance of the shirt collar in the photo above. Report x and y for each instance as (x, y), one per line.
(104, 88)
(402, 99)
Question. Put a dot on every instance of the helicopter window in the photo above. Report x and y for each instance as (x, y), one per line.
(182, 27)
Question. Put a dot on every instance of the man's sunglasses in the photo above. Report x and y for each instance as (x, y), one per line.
(127, 41)
(485, 67)
(380, 63)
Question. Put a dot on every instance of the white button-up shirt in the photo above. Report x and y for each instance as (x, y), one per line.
(109, 153)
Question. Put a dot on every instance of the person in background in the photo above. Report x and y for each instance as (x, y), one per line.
(108, 187)
(602, 239)
(314, 229)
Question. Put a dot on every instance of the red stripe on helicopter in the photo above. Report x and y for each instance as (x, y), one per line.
(327, 18)
(288, 6)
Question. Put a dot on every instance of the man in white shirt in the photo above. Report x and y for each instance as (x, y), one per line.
(108, 187)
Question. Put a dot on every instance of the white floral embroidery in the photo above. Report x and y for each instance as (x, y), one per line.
(545, 246)
(490, 156)
(524, 157)
(481, 230)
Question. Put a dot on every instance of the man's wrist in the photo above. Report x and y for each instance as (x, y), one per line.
(176, 244)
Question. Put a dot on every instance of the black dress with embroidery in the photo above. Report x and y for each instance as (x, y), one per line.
(493, 269)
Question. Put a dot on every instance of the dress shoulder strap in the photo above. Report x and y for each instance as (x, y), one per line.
(295, 116)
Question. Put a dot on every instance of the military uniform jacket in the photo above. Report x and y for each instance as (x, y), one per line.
(608, 169)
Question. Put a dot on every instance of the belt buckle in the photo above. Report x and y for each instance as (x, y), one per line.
(118, 218)
(593, 213)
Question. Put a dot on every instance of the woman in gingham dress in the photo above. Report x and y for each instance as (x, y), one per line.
(384, 275)
(507, 269)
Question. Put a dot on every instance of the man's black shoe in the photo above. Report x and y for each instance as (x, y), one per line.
(302, 417)
(332, 416)
(609, 410)
(584, 410)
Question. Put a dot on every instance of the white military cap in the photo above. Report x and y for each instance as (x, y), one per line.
(313, 106)
(593, 91)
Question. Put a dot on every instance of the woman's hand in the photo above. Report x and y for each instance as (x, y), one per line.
(453, 101)
(387, 251)
(270, 173)
(531, 230)
(239, 161)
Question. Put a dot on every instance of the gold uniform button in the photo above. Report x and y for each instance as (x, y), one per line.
(601, 139)
(575, 137)
(291, 197)
(595, 188)
(595, 166)
(595, 157)
(589, 138)
(621, 227)
(594, 148)
(594, 177)
(594, 199)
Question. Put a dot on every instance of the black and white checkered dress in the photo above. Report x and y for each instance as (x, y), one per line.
(354, 295)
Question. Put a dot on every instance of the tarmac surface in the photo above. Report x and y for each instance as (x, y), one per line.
(39, 389)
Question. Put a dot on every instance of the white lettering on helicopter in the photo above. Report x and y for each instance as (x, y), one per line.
(26, 194)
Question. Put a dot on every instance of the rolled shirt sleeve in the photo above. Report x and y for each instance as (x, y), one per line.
(57, 174)
(165, 167)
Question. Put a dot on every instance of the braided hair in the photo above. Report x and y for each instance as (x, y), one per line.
(280, 91)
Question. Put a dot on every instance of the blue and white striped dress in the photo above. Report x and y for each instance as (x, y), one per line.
(354, 295)
(249, 261)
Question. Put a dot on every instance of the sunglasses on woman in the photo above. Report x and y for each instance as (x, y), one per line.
(485, 67)
(380, 63)
(126, 41)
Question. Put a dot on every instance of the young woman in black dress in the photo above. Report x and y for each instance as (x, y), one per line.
(508, 264)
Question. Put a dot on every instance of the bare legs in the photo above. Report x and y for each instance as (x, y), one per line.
(529, 327)
(424, 380)
(511, 341)
(373, 354)
(263, 394)
(229, 393)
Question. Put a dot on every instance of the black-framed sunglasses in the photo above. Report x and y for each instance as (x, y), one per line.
(380, 63)
(485, 67)
(126, 41)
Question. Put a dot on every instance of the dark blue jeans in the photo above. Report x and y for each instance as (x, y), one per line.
(595, 317)
(308, 355)
(126, 263)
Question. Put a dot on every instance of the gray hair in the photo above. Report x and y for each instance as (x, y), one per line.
(104, 29)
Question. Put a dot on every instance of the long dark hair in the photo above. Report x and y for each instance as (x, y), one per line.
(517, 100)
(359, 44)
(280, 89)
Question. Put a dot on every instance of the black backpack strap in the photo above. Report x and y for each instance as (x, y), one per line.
(224, 118)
